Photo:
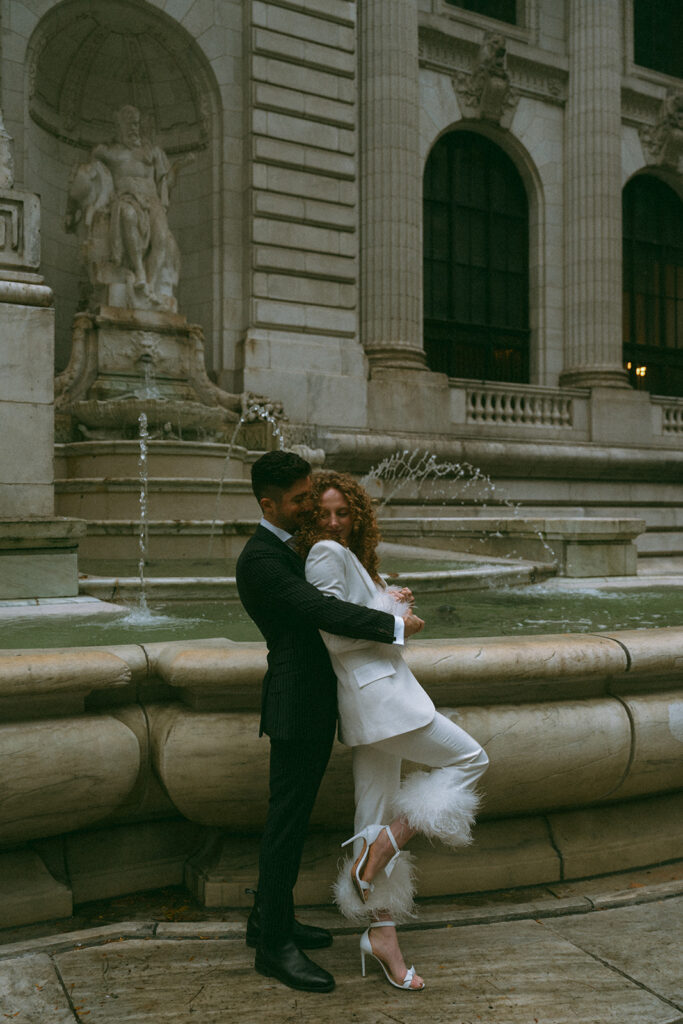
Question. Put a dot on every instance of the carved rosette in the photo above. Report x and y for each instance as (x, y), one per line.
(663, 141)
(486, 93)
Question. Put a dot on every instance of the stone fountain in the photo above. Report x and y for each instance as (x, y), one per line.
(133, 355)
(132, 351)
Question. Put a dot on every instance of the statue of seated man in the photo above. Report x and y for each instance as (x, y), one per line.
(121, 195)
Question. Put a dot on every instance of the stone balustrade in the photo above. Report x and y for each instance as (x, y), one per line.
(519, 410)
(129, 767)
(671, 412)
(488, 404)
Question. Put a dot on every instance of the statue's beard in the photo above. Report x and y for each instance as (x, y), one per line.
(131, 138)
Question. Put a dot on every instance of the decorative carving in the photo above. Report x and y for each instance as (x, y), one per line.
(637, 108)
(19, 230)
(663, 142)
(487, 93)
(120, 197)
(125, 363)
(459, 58)
(446, 52)
(6, 157)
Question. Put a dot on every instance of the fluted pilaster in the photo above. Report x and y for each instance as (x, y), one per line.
(390, 185)
(593, 330)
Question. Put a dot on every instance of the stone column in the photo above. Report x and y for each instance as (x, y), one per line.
(593, 328)
(390, 186)
(38, 551)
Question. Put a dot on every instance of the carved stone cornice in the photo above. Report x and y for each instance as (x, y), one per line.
(663, 141)
(443, 52)
(462, 59)
(639, 109)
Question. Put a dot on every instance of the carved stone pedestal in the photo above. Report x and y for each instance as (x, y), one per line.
(125, 362)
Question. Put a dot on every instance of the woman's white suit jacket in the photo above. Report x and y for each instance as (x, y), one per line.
(377, 693)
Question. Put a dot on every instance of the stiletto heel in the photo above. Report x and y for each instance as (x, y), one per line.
(366, 948)
(369, 834)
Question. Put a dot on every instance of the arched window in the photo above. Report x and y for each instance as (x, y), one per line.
(476, 261)
(653, 286)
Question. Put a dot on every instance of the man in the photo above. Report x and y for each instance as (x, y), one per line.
(298, 707)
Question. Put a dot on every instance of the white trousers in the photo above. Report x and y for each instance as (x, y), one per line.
(439, 803)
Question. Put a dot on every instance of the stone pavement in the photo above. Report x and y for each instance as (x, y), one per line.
(601, 951)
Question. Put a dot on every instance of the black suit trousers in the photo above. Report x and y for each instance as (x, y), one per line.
(296, 771)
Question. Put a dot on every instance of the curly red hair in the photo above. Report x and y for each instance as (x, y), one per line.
(365, 535)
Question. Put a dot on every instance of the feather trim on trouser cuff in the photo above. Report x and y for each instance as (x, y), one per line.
(393, 894)
(438, 803)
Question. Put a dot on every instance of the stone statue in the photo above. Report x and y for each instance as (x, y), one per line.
(486, 92)
(121, 196)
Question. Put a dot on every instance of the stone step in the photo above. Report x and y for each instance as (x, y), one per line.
(179, 498)
(167, 539)
(104, 459)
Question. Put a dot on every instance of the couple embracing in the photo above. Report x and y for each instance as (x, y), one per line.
(309, 578)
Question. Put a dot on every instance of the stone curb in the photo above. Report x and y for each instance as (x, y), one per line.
(431, 917)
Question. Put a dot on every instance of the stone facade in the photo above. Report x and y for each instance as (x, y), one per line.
(299, 220)
(301, 130)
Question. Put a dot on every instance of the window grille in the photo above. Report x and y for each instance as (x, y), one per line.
(653, 286)
(476, 261)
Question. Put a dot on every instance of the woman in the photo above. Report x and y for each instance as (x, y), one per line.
(385, 716)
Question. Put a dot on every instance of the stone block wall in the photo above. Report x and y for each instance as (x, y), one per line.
(302, 340)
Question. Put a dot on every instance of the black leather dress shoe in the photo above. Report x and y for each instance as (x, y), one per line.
(293, 968)
(305, 936)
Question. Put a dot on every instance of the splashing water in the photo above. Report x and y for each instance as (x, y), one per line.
(418, 467)
(143, 472)
(151, 390)
(253, 411)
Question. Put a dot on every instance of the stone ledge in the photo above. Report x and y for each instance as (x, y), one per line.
(580, 546)
(41, 532)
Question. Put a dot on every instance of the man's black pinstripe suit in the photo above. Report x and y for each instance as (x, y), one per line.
(298, 706)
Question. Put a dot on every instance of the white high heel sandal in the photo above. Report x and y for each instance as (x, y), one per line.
(366, 948)
(369, 834)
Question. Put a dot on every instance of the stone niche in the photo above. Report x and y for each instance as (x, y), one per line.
(86, 61)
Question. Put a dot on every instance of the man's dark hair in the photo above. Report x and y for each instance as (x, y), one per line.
(277, 471)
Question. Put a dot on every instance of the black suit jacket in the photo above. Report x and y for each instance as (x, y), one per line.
(300, 689)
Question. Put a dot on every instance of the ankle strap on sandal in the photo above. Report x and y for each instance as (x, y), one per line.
(382, 924)
(392, 863)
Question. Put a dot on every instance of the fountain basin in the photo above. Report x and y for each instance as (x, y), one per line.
(187, 608)
(584, 734)
(579, 546)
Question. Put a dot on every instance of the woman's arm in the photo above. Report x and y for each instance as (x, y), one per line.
(326, 567)
(284, 595)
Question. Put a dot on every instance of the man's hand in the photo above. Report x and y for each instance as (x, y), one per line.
(412, 624)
